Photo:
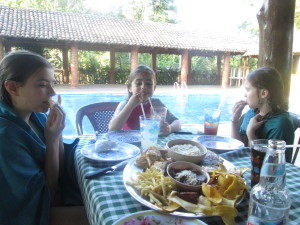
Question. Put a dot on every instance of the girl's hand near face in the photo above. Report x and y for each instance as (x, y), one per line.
(54, 151)
(254, 123)
(165, 129)
(55, 122)
(237, 110)
(138, 98)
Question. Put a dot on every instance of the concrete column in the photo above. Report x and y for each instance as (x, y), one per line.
(134, 58)
(225, 75)
(66, 78)
(154, 61)
(74, 66)
(219, 58)
(185, 69)
(112, 75)
(1, 49)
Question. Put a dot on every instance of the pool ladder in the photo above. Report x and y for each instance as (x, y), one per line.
(182, 86)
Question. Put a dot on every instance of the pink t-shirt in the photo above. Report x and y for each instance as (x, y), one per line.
(133, 122)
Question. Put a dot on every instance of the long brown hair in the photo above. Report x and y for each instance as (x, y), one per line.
(269, 78)
(19, 66)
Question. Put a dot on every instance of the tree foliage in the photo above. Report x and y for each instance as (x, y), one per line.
(297, 14)
(55, 5)
(153, 10)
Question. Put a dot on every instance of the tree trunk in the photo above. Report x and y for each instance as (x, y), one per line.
(276, 24)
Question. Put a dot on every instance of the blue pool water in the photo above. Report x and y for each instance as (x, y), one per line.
(189, 108)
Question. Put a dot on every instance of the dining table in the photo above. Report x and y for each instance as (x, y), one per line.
(107, 200)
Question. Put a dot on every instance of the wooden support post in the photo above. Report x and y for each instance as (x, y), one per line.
(276, 24)
(225, 75)
(66, 78)
(189, 77)
(112, 74)
(134, 58)
(7, 48)
(74, 66)
(1, 49)
(184, 67)
(219, 62)
(244, 69)
(154, 61)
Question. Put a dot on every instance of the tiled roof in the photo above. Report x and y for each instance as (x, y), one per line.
(90, 29)
(253, 48)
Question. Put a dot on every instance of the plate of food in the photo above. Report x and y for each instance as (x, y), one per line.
(146, 181)
(126, 136)
(219, 144)
(109, 151)
(153, 217)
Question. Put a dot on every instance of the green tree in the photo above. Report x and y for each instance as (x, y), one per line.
(55, 5)
(297, 14)
(153, 10)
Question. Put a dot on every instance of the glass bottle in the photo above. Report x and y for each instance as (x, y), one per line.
(269, 200)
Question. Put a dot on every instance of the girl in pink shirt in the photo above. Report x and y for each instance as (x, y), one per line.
(141, 86)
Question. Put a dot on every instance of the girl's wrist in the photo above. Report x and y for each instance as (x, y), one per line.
(234, 121)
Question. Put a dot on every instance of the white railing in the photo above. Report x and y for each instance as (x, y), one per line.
(178, 86)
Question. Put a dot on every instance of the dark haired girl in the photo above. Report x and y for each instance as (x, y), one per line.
(34, 162)
(267, 117)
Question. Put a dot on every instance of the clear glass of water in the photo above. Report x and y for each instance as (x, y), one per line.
(149, 127)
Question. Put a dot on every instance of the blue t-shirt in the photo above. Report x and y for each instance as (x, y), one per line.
(25, 196)
(278, 126)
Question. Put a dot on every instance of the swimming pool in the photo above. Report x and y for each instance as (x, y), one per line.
(189, 108)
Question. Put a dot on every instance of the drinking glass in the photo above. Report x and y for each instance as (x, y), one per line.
(211, 121)
(258, 152)
(160, 111)
(149, 130)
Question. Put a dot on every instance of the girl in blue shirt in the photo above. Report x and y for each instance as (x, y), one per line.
(267, 117)
(34, 162)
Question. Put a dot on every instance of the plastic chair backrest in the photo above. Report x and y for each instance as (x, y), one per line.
(99, 114)
(296, 122)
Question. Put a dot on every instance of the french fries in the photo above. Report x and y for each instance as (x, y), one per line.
(153, 184)
(218, 198)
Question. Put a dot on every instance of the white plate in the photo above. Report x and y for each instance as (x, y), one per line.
(219, 144)
(127, 136)
(112, 151)
(130, 172)
(156, 218)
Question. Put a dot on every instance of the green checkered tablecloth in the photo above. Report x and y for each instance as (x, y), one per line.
(107, 200)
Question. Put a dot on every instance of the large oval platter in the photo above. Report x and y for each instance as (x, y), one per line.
(144, 217)
(130, 172)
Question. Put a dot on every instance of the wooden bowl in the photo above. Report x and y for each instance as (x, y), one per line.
(201, 175)
(176, 156)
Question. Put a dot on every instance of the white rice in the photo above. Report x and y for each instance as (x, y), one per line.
(187, 149)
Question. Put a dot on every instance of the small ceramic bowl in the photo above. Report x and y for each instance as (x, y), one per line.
(175, 156)
(176, 168)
